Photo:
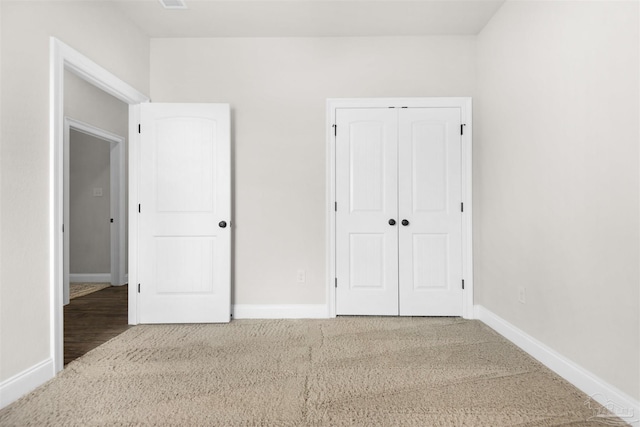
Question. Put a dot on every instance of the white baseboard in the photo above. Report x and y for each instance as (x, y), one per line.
(28, 380)
(618, 402)
(284, 311)
(90, 278)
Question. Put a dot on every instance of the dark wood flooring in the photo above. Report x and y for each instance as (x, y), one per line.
(94, 319)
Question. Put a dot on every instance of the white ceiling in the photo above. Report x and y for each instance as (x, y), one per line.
(311, 18)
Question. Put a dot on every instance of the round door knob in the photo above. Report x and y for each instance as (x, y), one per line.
(222, 224)
(405, 222)
(392, 222)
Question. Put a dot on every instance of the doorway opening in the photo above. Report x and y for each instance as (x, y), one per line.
(94, 205)
(64, 58)
(95, 244)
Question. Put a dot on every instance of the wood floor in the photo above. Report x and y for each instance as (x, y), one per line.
(94, 319)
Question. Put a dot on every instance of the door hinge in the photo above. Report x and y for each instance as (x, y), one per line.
(139, 128)
(335, 130)
(461, 207)
(111, 220)
(462, 129)
(63, 228)
(139, 209)
(336, 282)
(138, 287)
(462, 283)
(335, 206)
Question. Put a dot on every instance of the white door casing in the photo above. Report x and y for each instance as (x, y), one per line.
(184, 194)
(438, 234)
(366, 196)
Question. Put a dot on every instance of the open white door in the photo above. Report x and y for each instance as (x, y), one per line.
(184, 253)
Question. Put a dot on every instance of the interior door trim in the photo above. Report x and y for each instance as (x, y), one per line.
(465, 106)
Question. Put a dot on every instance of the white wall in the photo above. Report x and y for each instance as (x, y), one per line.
(85, 102)
(277, 88)
(1, 92)
(557, 179)
(89, 227)
(97, 30)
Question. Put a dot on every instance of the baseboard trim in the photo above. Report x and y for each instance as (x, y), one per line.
(283, 311)
(90, 278)
(618, 402)
(26, 381)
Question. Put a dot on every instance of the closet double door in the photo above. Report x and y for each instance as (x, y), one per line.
(398, 211)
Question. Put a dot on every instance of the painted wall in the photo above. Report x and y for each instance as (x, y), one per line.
(89, 104)
(1, 239)
(26, 27)
(89, 213)
(277, 88)
(557, 179)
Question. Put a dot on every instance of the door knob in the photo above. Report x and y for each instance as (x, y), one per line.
(222, 224)
(392, 222)
(405, 222)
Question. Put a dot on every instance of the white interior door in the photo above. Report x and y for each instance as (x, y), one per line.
(184, 230)
(366, 190)
(430, 244)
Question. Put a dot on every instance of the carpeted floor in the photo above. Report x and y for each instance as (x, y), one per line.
(77, 290)
(365, 371)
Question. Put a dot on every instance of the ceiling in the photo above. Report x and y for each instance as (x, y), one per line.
(310, 18)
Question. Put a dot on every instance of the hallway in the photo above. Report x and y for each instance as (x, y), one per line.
(94, 319)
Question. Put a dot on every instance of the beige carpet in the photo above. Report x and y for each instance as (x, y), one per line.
(366, 371)
(77, 290)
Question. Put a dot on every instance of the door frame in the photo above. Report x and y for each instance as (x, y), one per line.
(465, 105)
(62, 57)
(116, 199)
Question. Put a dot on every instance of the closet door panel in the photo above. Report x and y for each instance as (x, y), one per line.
(429, 194)
(366, 193)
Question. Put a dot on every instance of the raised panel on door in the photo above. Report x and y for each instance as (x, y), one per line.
(366, 193)
(184, 191)
(430, 245)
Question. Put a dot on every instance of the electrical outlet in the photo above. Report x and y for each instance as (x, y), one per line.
(97, 192)
(522, 294)
(301, 277)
